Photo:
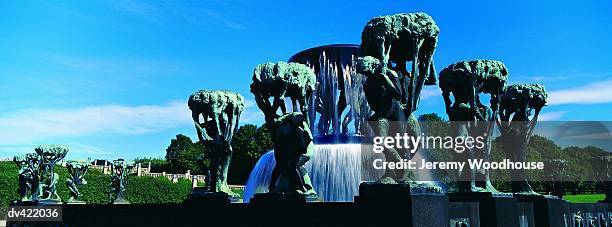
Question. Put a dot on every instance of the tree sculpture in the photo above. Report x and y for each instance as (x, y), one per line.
(389, 43)
(49, 155)
(77, 171)
(216, 115)
(465, 80)
(290, 132)
(520, 107)
(118, 182)
(398, 39)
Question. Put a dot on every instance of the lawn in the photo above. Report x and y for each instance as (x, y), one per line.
(584, 198)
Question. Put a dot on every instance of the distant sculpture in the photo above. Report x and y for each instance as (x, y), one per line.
(48, 156)
(520, 106)
(28, 170)
(602, 169)
(465, 80)
(401, 38)
(216, 115)
(77, 172)
(290, 132)
(118, 182)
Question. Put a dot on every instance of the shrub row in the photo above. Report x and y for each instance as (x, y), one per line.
(140, 190)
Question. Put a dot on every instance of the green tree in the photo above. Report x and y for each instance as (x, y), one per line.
(249, 143)
(182, 155)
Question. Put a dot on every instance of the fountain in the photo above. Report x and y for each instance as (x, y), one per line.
(335, 167)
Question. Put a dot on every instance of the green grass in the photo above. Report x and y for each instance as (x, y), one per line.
(584, 198)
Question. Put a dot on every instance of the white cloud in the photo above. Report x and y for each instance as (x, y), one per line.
(593, 93)
(430, 91)
(551, 116)
(32, 125)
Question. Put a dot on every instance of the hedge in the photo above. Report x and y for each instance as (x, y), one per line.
(140, 190)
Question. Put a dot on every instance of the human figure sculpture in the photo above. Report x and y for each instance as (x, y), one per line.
(465, 80)
(383, 94)
(118, 183)
(26, 178)
(395, 40)
(216, 115)
(520, 106)
(49, 155)
(411, 37)
(77, 172)
(290, 132)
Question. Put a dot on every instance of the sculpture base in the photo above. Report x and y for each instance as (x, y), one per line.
(282, 199)
(49, 202)
(547, 210)
(394, 201)
(75, 202)
(121, 201)
(493, 211)
(203, 193)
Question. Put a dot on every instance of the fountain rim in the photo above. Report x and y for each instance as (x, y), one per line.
(309, 51)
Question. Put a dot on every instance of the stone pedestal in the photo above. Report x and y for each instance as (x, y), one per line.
(278, 199)
(393, 204)
(493, 211)
(548, 211)
(121, 201)
(463, 214)
(201, 196)
(49, 202)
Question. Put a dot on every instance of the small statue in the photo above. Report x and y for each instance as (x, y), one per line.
(77, 172)
(593, 222)
(220, 111)
(578, 219)
(49, 155)
(293, 141)
(517, 105)
(465, 80)
(118, 182)
(26, 178)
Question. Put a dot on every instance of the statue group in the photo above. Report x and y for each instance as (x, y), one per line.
(397, 61)
(37, 178)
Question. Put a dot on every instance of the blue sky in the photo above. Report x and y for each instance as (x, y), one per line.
(111, 78)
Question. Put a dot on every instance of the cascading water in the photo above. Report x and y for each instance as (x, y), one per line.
(335, 171)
